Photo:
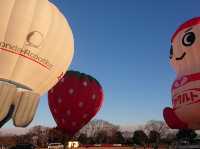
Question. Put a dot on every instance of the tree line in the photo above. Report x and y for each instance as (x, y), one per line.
(139, 138)
(152, 134)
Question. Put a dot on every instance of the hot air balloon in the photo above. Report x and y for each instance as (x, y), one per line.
(184, 57)
(36, 48)
(74, 101)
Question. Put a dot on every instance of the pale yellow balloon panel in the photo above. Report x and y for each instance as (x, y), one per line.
(18, 28)
(62, 52)
(19, 22)
(5, 12)
(7, 95)
(62, 44)
(37, 46)
(26, 109)
(16, 101)
(35, 63)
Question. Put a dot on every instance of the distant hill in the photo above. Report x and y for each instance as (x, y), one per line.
(131, 127)
(13, 131)
(90, 129)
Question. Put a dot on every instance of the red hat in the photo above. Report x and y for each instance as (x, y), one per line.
(191, 22)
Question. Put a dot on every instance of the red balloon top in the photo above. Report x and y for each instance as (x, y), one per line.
(187, 24)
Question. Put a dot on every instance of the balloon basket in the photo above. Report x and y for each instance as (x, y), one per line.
(72, 144)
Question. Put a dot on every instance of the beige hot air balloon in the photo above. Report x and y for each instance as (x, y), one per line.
(36, 48)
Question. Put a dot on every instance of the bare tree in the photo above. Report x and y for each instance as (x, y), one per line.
(95, 126)
(82, 138)
(140, 138)
(101, 137)
(118, 138)
(158, 126)
(154, 138)
(186, 135)
(39, 136)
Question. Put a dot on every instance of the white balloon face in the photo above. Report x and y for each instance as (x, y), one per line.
(185, 51)
(36, 43)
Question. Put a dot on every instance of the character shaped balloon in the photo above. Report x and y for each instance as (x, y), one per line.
(36, 47)
(74, 101)
(185, 59)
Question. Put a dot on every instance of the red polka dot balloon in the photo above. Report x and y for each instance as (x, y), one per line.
(74, 101)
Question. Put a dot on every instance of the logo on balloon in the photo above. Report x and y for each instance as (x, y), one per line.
(26, 53)
(187, 97)
(34, 39)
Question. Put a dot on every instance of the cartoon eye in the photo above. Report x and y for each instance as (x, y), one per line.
(188, 39)
(171, 53)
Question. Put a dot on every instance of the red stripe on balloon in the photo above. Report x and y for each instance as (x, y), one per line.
(25, 57)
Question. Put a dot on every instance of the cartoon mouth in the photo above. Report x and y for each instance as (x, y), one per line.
(181, 57)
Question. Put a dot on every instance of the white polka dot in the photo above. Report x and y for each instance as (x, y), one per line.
(85, 83)
(85, 116)
(68, 112)
(59, 100)
(176, 84)
(62, 80)
(54, 110)
(63, 120)
(71, 91)
(73, 123)
(184, 80)
(51, 91)
(94, 96)
(96, 109)
(81, 104)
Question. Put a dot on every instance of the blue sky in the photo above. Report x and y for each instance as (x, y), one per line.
(125, 45)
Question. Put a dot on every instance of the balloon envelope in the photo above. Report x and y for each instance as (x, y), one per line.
(74, 101)
(184, 57)
(36, 44)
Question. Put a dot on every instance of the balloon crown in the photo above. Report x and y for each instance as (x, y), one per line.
(81, 75)
(191, 22)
